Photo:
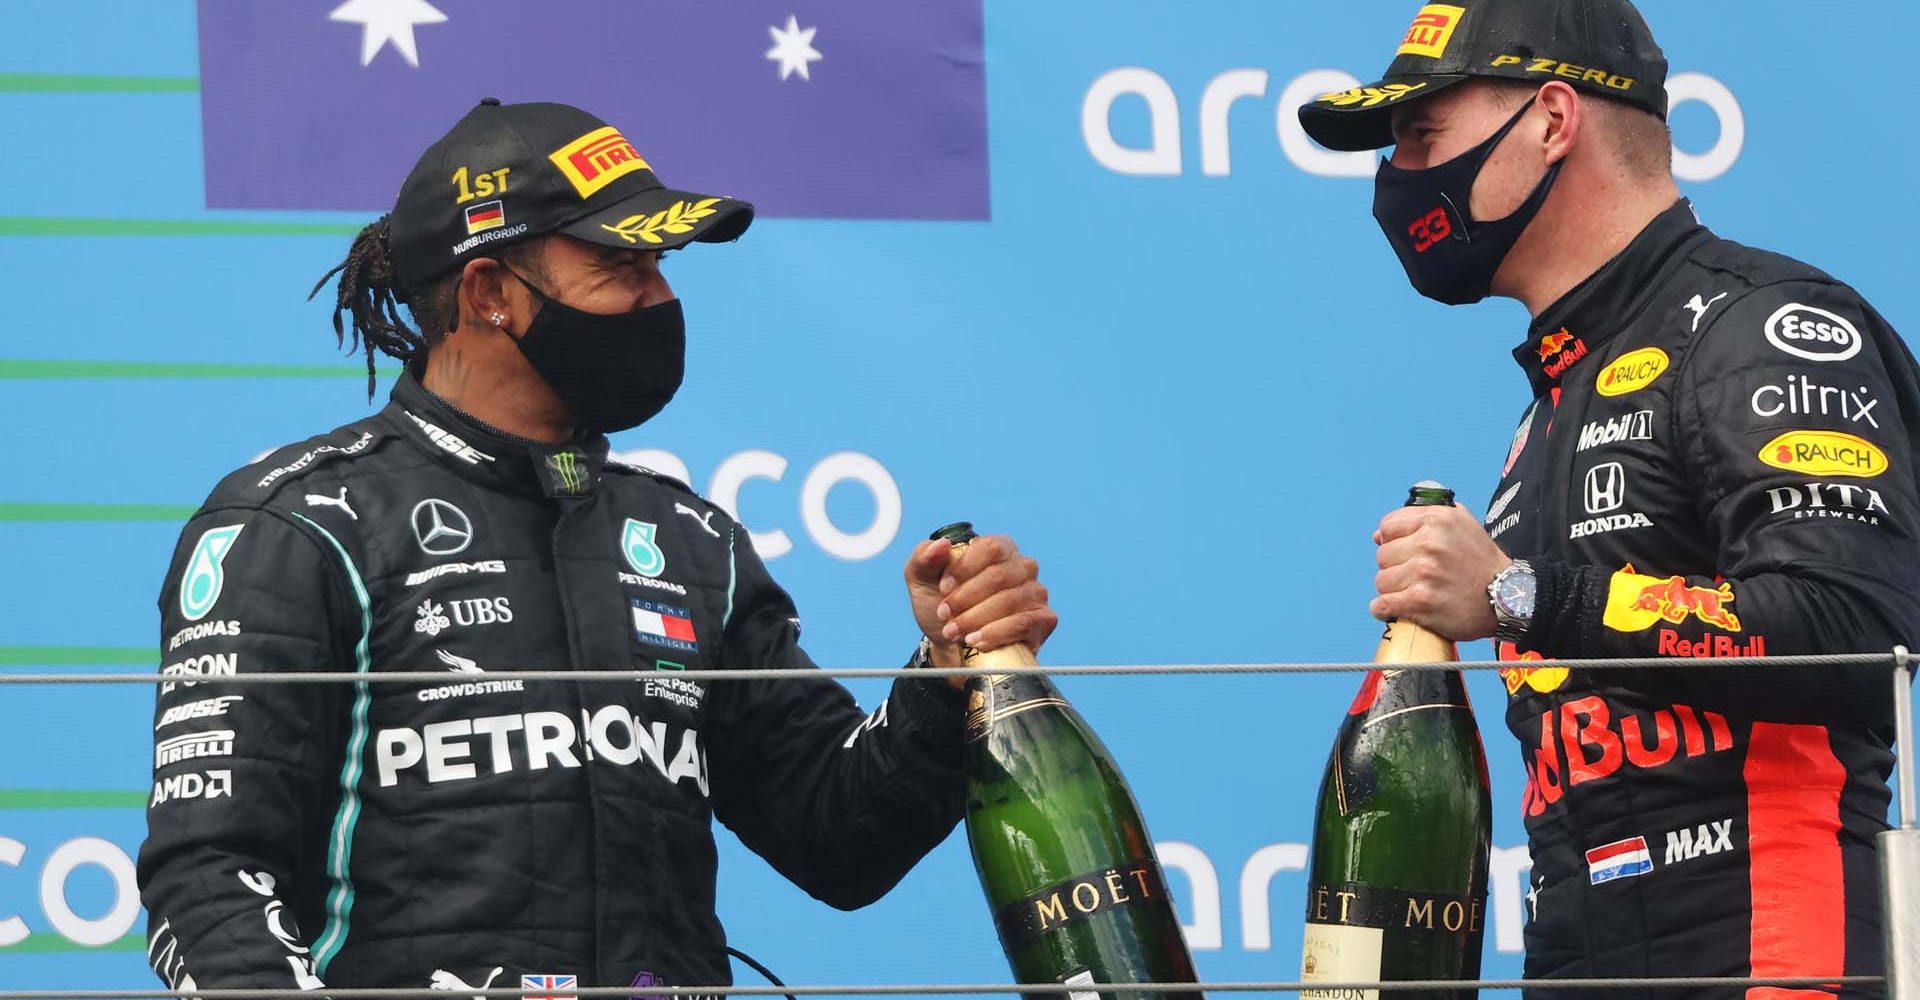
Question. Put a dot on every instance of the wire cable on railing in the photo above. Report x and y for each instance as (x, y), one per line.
(591, 992)
(1898, 659)
(1907, 780)
(837, 673)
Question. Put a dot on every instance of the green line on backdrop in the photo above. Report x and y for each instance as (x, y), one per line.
(48, 943)
(76, 798)
(77, 656)
(38, 225)
(51, 369)
(72, 512)
(75, 83)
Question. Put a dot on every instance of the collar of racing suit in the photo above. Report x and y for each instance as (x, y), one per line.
(1607, 302)
(488, 455)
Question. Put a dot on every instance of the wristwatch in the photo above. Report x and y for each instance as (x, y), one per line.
(1511, 594)
(922, 658)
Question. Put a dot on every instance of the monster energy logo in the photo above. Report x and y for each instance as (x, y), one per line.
(566, 470)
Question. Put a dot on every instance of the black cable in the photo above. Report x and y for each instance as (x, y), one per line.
(761, 969)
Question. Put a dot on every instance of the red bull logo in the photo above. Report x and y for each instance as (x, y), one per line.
(1582, 741)
(1561, 351)
(1674, 644)
(1636, 603)
(1545, 680)
(1554, 343)
(1674, 600)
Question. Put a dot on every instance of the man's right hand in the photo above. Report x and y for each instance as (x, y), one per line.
(991, 596)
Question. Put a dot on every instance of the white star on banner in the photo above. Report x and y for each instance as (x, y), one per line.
(384, 21)
(793, 49)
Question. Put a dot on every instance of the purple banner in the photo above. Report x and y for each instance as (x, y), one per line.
(851, 109)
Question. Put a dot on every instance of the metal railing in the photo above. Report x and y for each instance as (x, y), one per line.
(964, 989)
(1899, 848)
(846, 673)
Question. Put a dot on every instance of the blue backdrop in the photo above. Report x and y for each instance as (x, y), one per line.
(1140, 324)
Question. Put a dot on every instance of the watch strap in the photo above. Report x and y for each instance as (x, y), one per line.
(1510, 627)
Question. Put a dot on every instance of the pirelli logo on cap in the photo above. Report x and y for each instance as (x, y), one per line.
(597, 159)
(1432, 29)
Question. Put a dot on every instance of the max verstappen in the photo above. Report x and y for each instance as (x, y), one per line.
(476, 832)
(1718, 460)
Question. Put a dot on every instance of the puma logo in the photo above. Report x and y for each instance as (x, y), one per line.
(705, 521)
(317, 500)
(447, 982)
(1700, 308)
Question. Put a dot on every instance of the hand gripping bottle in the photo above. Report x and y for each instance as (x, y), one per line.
(1398, 878)
(1063, 855)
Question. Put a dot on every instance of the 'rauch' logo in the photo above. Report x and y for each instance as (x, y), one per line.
(200, 587)
(1632, 372)
(643, 553)
(1824, 453)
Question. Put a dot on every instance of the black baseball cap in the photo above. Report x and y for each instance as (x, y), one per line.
(509, 172)
(1602, 47)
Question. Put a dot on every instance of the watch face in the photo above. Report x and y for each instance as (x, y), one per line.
(1516, 593)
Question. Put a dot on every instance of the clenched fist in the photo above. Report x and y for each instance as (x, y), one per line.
(988, 597)
(1435, 564)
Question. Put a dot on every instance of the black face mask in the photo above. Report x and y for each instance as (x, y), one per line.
(613, 371)
(1449, 257)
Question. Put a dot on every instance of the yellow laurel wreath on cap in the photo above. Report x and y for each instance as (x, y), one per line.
(1368, 97)
(677, 219)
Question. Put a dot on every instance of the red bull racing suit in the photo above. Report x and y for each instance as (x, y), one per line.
(472, 831)
(1719, 460)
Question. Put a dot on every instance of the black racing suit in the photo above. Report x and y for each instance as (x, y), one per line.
(1720, 460)
(468, 831)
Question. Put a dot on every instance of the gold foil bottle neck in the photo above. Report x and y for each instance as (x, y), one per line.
(1405, 642)
(1011, 657)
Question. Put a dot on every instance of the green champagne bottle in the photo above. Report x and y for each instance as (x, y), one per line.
(1398, 878)
(1064, 857)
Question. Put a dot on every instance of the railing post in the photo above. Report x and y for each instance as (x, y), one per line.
(1900, 848)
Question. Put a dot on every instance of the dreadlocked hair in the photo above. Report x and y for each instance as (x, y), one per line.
(368, 293)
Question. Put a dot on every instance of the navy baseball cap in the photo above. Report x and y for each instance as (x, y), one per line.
(1601, 47)
(509, 172)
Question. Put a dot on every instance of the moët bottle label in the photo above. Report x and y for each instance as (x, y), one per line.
(1079, 899)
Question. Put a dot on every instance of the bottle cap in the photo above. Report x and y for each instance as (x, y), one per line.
(959, 533)
(1427, 493)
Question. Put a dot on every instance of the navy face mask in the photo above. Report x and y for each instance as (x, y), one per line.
(613, 371)
(1448, 256)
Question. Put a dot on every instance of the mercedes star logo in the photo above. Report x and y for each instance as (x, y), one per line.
(441, 528)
